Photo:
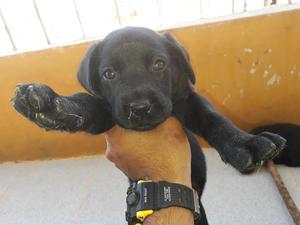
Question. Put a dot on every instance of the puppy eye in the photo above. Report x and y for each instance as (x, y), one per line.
(159, 65)
(109, 74)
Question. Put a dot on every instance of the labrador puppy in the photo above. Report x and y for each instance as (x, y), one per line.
(137, 78)
(290, 155)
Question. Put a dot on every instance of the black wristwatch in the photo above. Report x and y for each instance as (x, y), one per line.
(144, 197)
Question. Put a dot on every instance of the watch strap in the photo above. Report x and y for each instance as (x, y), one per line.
(144, 197)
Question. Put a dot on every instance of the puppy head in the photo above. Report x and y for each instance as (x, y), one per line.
(139, 73)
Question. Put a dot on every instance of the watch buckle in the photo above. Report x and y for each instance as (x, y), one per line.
(196, 205)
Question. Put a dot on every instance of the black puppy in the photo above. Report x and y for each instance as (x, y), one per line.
(138, 78)
(290, 155)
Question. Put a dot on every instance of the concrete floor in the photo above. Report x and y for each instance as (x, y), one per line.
(91, 191)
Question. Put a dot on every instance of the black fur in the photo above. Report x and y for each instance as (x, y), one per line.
(198, 173)
(138, 78)
(290, 155)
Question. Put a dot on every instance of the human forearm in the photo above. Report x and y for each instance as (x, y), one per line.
(170, 216)
(162, 154)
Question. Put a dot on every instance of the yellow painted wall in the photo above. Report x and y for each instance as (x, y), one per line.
(249, 68)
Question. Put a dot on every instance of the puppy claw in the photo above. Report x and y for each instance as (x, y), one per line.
(129, 117)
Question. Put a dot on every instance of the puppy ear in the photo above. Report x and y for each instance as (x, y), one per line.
(88, 69)
(182, 57)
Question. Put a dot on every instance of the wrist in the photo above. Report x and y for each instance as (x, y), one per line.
(170, 216)
(147, 198)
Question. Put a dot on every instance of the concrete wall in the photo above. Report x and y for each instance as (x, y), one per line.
(249, 68)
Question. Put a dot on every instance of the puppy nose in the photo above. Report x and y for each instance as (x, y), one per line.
(140, 108)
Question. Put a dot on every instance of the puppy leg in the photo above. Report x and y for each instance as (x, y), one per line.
(198, 165)
(245, 152)
(79, 112)
(290, 156)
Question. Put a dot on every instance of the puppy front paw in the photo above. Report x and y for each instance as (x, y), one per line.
(40, 104)
(252, 152)
(30, 99)
(265, 146)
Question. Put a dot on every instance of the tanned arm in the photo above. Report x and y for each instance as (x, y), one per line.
(162, 154)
